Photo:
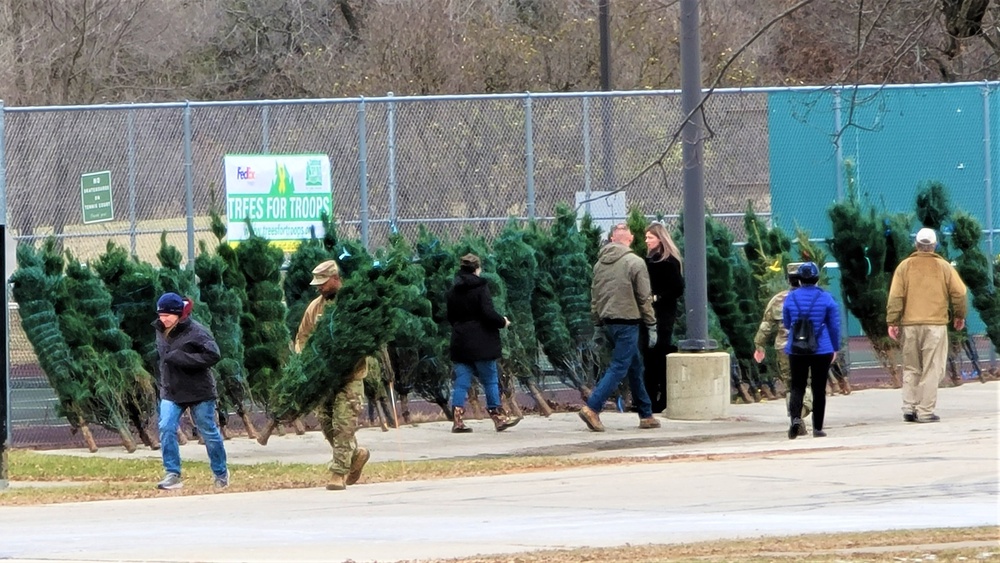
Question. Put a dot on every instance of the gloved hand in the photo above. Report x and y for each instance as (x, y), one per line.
(652, 335)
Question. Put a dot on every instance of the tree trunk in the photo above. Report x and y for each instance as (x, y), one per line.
(540, 402)
(265, 435)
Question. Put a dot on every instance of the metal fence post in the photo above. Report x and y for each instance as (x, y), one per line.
(363, 171)
(392, 164)
(189, 183)
(837, 131)
(130, 125)
(529, 156)
(5, 407)
(988, 189)
(265, 129)
(586, 153)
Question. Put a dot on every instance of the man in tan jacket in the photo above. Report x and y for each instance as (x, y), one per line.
(338, 414)
(923, 287)
(620, 299)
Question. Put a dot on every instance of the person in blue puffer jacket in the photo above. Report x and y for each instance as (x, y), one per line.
(816, 304)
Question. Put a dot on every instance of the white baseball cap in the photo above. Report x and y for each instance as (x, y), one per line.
(926, 236)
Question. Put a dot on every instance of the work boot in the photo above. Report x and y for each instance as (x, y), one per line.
(500, 419)
(358, 461)
(651, 422)
(457, 424)
(845, 386)
(336, 483)
(591, 419)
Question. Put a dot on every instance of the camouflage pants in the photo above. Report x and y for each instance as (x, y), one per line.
(785, 374)
(338, 419)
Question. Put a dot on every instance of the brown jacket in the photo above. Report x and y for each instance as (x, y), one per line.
(922, 287)
(620, 291)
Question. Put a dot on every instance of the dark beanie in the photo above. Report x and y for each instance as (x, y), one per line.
(170, 303)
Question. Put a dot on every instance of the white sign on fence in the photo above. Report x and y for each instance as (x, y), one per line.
(281, 194)
(606, 208)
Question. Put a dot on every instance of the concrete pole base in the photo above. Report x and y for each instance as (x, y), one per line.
(697, 385)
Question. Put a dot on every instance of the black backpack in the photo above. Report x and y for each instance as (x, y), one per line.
(803, 334)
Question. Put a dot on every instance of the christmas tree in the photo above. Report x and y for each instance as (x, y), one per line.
(859, 244)
(266, 338)
(517, 265)
(433, 380)
(974, 268)
(226, 307)
(551, 326)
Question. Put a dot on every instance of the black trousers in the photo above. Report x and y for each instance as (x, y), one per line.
(801, 366)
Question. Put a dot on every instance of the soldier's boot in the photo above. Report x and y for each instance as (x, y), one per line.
(336, 483)
(358, 461)
(457, 424)
(501, 421)
(845, 386)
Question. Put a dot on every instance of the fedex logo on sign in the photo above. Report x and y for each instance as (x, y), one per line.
(245, 173)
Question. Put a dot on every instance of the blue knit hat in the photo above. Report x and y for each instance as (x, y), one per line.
(170, 303)
(808, 272)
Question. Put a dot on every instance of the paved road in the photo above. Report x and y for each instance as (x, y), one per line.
(738, 477)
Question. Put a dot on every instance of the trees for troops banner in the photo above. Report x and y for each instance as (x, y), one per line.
(282, 195)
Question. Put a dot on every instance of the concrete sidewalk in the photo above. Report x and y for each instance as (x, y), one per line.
(737, 477)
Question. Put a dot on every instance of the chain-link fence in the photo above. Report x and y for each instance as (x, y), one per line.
(448, 162)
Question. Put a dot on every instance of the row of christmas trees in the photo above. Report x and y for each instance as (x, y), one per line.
(90, 325)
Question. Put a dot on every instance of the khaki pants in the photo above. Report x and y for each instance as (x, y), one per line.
(925, 354)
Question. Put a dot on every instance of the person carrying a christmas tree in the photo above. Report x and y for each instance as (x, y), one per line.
(771, 327)
(620, 300)
(337, 415)
(475, 343)
(187, 351)
(923, 286)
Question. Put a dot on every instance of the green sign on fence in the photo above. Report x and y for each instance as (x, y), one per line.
(95, 189)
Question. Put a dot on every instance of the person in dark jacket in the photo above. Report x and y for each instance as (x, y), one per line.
(475, 343)
(812, 302)
(666, 283)
(187, 351)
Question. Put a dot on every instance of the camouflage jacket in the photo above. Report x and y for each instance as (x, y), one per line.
(771, 324)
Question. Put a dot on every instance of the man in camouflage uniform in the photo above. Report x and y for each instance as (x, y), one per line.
(338, 414)
(771, 326)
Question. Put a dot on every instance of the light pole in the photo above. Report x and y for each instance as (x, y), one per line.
(692, 137)
(604, 34)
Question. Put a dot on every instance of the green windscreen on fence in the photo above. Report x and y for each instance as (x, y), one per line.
(896, 139)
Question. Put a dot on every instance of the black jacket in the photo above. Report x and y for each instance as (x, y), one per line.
(667, 285)
(186, 357)
(475, 325)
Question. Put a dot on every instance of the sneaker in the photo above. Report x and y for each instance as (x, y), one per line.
(171, 482)
(591, 419)
(650, 422)
(794, 429)
(910, 417)
(818, 433)
(931, 418)
(222, 481)
(358, 461)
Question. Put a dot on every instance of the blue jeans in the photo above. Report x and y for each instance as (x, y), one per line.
(626, 361)
(204, 418)
(486, 371)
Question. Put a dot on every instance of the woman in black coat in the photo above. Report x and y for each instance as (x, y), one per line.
(666, 281)
(475, 343)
